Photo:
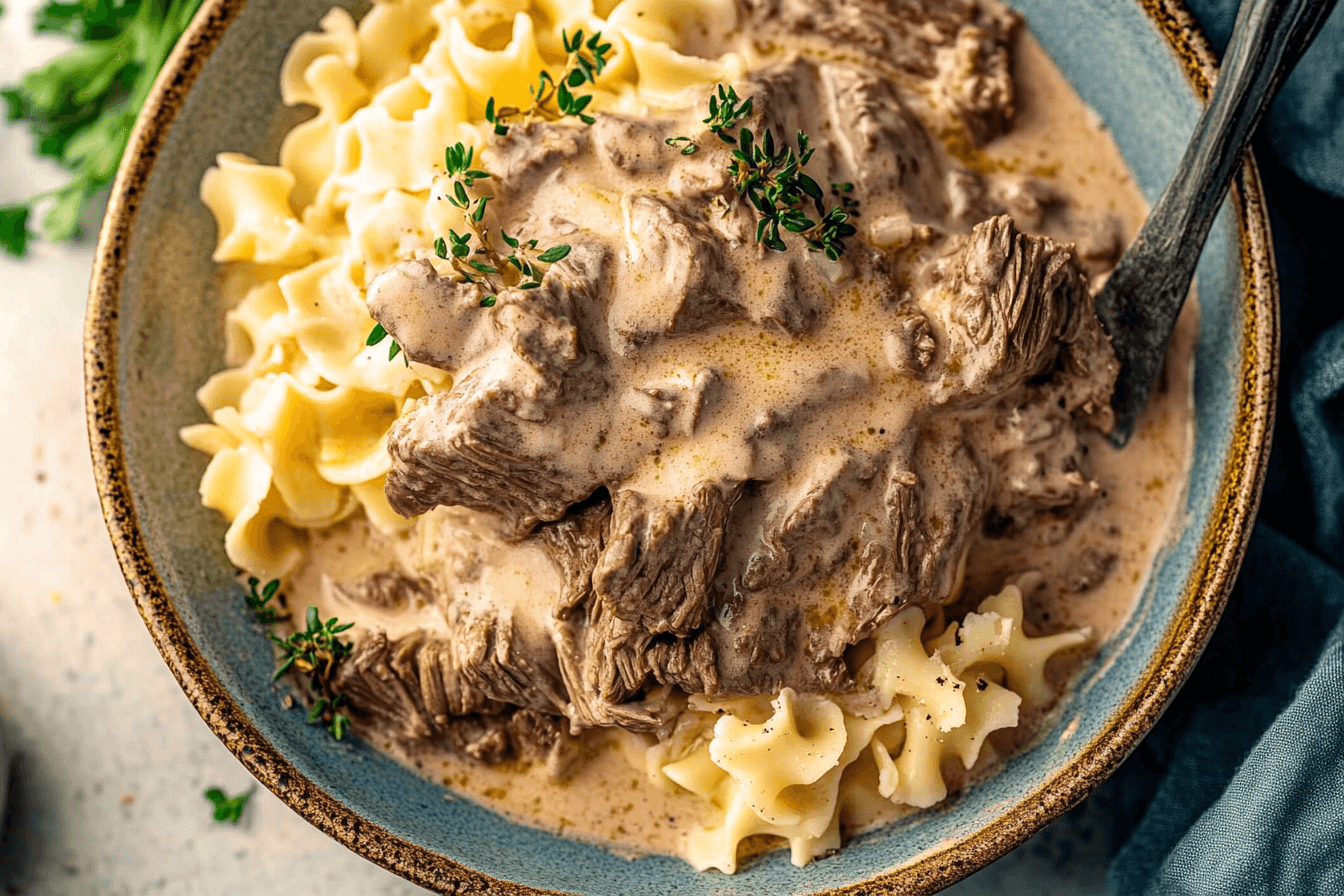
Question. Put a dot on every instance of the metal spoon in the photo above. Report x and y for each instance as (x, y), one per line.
(1143, 297)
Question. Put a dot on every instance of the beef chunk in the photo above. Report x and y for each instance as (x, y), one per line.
(419, 682)
(885, 150)
(1042, 474)
(693, 287)
(1014, 299)
(974, 80)
(466, 447)
(574, 544)
(954, 483)
(436, 320)
(808, 534)
(604, 674)
(661, 556)
(630, 146)
(905, 34)
(478, 444)
(529, 153)
(403, 685)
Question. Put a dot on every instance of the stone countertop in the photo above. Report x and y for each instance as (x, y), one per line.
(107, 792)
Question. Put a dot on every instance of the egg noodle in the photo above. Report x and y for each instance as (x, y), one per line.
(300, 418)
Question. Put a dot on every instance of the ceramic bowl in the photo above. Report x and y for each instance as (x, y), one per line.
(154, 332)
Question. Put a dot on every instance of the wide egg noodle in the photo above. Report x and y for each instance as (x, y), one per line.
(921, 703)
(250, 202)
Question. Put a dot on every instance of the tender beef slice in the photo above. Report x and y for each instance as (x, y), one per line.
(974, 80)
(884, 149)
(528, 154)
(405, 687)
(490, 659)
(661, 556)
(782, 96)
(809, 533)
(419, 682)
(952, 503)
(933, 503)
(760, 648)
(574, 544)
(388, 589)
(1014, 299)
(436, 320)
(690, 286)
(439, 320)
(467, 448)
(602, 674)
(538, 737)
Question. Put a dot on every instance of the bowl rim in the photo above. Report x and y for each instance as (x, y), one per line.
(1218, 555)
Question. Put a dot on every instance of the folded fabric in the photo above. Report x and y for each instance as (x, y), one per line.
(1306, 125)
(1249, 762)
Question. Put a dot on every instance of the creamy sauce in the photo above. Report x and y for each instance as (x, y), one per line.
(607, 796)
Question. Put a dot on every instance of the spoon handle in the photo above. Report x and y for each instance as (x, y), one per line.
(1143, 297)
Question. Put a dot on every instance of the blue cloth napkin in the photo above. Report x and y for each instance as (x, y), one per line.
(1239, 789)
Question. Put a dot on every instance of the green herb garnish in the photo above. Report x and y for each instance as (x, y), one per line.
(259, 602)
(227, 808)
(80, 106)
(315, 650)
(726, 110)
(480, 262)
(686, 145)
(770, 176)
(554, 98)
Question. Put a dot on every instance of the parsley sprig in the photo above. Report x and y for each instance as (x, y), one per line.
(227, 808)
(555, 98)
(769, 175)
(726, 111)
(80, 106)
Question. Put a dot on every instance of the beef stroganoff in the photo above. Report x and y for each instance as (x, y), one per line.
(697, 407)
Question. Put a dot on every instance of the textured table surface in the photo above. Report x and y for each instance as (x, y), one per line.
(106, 796)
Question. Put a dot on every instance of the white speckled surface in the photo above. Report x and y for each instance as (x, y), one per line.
(107, 791)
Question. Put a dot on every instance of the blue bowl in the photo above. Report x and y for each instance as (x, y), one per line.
(153, 334)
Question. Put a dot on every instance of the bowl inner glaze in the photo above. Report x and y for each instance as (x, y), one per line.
(155, 333)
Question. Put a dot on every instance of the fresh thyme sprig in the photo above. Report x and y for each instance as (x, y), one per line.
(315, 652)
(726, 111)
(554, 98)
(259, 602)
(484, 264)
(769, 175)
(473, 254)
(227, 808)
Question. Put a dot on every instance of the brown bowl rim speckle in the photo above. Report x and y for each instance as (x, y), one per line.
(1219, 554)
